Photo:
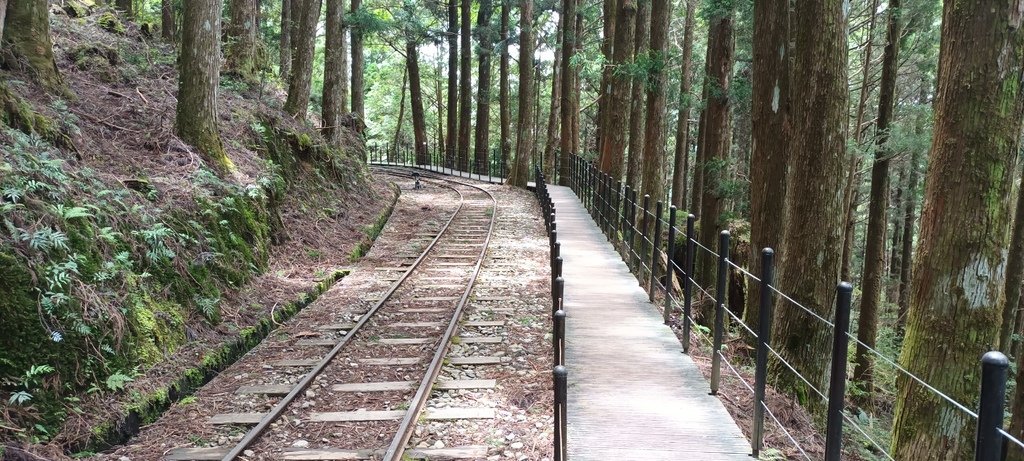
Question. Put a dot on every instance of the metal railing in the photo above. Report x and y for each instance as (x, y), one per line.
(635, 229)
(492, 169)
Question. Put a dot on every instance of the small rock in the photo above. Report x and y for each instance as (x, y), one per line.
(439, 444)
(249, 453)
(310, 394)
(124, 458)
(300, 444)
(516, 446)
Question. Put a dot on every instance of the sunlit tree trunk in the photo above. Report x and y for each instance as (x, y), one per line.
(771, 138)
(638, 97)
(199, 77)
(957, 290)
(607, 50)
(28, 32)
(335, 90)
(482, 142)
(551, 140)
(617, 122)
(243, 40)
(285, 45)
(419, 121)
(452, 139)
(125, 6)
(657, 102)
(302, 59)
(569, 97)
(524, 130)
(810, 257)
(682, 148)
(358, 64)
(168, 28)
(465, 82)
(874, 252)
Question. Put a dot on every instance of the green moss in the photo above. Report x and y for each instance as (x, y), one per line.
(111, 23)
(18, 114)
(158, 329)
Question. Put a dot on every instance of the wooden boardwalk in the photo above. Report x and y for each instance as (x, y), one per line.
(633, 394)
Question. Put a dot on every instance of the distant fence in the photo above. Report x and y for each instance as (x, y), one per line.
(492, 169)
(618, 212)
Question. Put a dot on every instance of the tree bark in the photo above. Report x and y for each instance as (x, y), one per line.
(335, 89)
(168, 28)
(199, 61)
(401, 117)
(957, 297)
(809, 268)
(638, 100)
(524, 136)
(285, 51)
(657, 102)
(419, 121)
(302, 59)
(895, 260)
(482, 142)
(700, 161)
(28, 32)
(358, 64)
(682, 148)
(553, 112)
(504, 115)
(716, 142)
(909, 219)
(568, 96)
(617, 122)
(243, 41)
(607, 50)
(771, 139)
(465, 82)
(452, 142)
(878, 207)
(1014, 277)
(124, 6)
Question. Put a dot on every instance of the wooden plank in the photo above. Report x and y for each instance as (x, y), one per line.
(473, 452)
(476, 360)
(405, 341)
(196, 454)
(439, 286)
(494, 298)
(480, 339)
(436, 298)
(356, 416)
(236, 418)
(267, 389)
(440, 454)
(296, 363)
(417, 325)
(383, 386)
(432, 310)
(455, 264)
(485, 323)
(448, 385)
(391, 361)
(327, 454)
(338, 326)
(316, 342)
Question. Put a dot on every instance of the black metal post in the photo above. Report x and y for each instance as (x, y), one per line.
(557, 294)
(719, 333)
(764, 332)
(643, 237)
(669, 273)
(561, 399)
(654, 252)
(559, 337)
(837, 382)
(556, 268)
(616, 210)
(688, 282)
(989, 443)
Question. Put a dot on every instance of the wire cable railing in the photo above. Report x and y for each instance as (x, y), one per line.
(635, 227)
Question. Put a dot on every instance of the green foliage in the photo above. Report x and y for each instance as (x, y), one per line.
(111, 23)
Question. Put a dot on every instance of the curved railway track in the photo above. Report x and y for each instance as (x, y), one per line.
(388, 334)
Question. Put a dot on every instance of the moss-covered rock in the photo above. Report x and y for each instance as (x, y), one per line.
(111, 23)
(79, 8)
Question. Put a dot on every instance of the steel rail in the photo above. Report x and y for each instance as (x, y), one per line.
(253, 434)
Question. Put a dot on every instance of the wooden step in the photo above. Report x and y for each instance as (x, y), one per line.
(405, 341)
(338, 326)
(387, 415)
(435, 454)
(476, 360)
(266, 389)
(485, 323)
(196, 454)
(236, 418)
(391, 361)
(480, 339)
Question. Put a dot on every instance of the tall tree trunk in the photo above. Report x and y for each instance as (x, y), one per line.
(574, 101)
(419, 121)
(607, 50)
(878, 207)
(335, 90)
(957, 297)
(439, 103)
(716, 141)
(700, 160)
(28, 32)
(451, 144)
(285, 51)
(538, 78)
(897, 225)
(1014, 276)
(568, 96)
(657, 102)
(553, 112)
(504, 114)
(641, 45)
(617, 121)
(302, 59)
(770, 113)
(358, 64)
(851, 202)
(481, 139)
(524, 131)
(809, 268)
(168, 28)
(199, 63)
(682, 150)
(401, 117)
(243, 41)
(909, 205)
(465, 88)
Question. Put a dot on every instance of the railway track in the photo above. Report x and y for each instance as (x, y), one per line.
(387, 357)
